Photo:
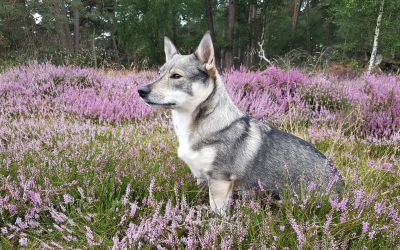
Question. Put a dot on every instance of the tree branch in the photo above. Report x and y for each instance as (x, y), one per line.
(261, 52)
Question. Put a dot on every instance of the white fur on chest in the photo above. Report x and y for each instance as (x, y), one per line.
(199, 161)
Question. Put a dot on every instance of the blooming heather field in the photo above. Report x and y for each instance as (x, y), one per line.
(84, 163)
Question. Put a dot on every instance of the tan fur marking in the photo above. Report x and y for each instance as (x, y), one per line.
(211, 69)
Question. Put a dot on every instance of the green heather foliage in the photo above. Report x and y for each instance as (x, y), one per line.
(85, 164)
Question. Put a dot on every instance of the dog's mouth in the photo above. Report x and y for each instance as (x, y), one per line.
(165, 105)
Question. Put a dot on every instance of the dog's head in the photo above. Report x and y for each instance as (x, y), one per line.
(185, 81)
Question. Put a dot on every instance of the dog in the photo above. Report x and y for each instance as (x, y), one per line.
(222, 145)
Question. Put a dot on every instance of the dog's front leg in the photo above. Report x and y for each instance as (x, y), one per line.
(220, 192)
(199, 180)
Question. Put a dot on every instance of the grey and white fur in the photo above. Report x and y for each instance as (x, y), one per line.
(221, 144)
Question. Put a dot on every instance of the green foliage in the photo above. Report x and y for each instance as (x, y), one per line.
(355, 65)
(141, 26)
(131, 32)
(356, 22)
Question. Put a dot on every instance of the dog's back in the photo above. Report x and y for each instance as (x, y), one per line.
(249, 152)
(284, 158)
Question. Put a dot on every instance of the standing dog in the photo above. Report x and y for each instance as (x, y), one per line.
(219, 143)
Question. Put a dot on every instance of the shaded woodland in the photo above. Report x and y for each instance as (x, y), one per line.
(110, 33)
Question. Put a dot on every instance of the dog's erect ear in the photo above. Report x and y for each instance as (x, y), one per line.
(169, 49)
(205, 53)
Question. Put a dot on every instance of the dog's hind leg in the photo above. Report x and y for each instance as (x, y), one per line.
(220, 192)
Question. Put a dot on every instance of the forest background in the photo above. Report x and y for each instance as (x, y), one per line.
(128, 34)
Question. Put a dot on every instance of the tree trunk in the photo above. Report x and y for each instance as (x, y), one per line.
(113, 28)
(66, 29)
(251, 45)
(75, 8)
(265, 26)
(330, 29)
(296, 13)
(229, 35)
(210, 20)
(94, 48)
(210, 25)
(375, 46)
(308, 9)
(62, 24)
(114, 45)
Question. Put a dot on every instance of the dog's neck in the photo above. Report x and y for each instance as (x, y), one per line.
(214, 113)
(207, 106)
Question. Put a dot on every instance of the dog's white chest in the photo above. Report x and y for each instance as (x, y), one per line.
(199, 161)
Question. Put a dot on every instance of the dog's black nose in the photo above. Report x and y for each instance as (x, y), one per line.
(144, 91)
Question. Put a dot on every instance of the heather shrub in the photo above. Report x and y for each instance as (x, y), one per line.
(84, 163)
(267, 93)
(369, 103)
(47, 88)
(381, 105)
(263, 94)
(321, 92)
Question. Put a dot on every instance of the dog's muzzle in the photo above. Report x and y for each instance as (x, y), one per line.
(144, 91)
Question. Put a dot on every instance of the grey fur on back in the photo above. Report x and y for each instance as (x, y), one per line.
(249, 151)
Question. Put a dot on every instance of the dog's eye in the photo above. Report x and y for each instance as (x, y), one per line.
(176, 76)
